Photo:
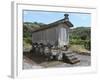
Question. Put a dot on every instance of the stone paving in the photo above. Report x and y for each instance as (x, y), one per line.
(34, 62)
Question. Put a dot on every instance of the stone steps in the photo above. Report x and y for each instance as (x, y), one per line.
(70, 58)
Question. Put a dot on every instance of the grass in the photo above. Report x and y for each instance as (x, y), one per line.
(79, 49)
(26, 45)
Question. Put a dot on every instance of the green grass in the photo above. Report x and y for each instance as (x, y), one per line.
(26, 45)
(78, 49)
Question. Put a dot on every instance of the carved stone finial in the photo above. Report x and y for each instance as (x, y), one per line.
(66, 16)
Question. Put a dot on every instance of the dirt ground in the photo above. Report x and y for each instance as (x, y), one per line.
(37, 62)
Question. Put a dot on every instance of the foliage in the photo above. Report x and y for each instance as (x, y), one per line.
(81, 36)
(28, 27)
(78, 49)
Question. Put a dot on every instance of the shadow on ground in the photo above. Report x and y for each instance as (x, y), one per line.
(36, 58)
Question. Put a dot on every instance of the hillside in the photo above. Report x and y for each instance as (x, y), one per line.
(81, 36)
(81, 32)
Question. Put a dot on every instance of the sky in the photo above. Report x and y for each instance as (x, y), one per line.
(77, 19)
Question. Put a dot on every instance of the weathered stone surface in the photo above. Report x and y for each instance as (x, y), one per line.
(36, 64)
(70, 58)
(60, 56)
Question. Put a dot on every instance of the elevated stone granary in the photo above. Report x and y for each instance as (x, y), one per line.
(56, 33)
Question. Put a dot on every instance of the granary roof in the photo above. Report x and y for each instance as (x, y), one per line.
(51, 25)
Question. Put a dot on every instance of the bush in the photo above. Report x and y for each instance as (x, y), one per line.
(78, 42)
(87, 44)
(81, 36)
(27, 40)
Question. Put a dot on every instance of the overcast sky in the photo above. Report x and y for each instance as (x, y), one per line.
(77, 19)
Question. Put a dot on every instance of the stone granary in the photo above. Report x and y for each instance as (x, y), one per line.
(51, 40)
(56, 33)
